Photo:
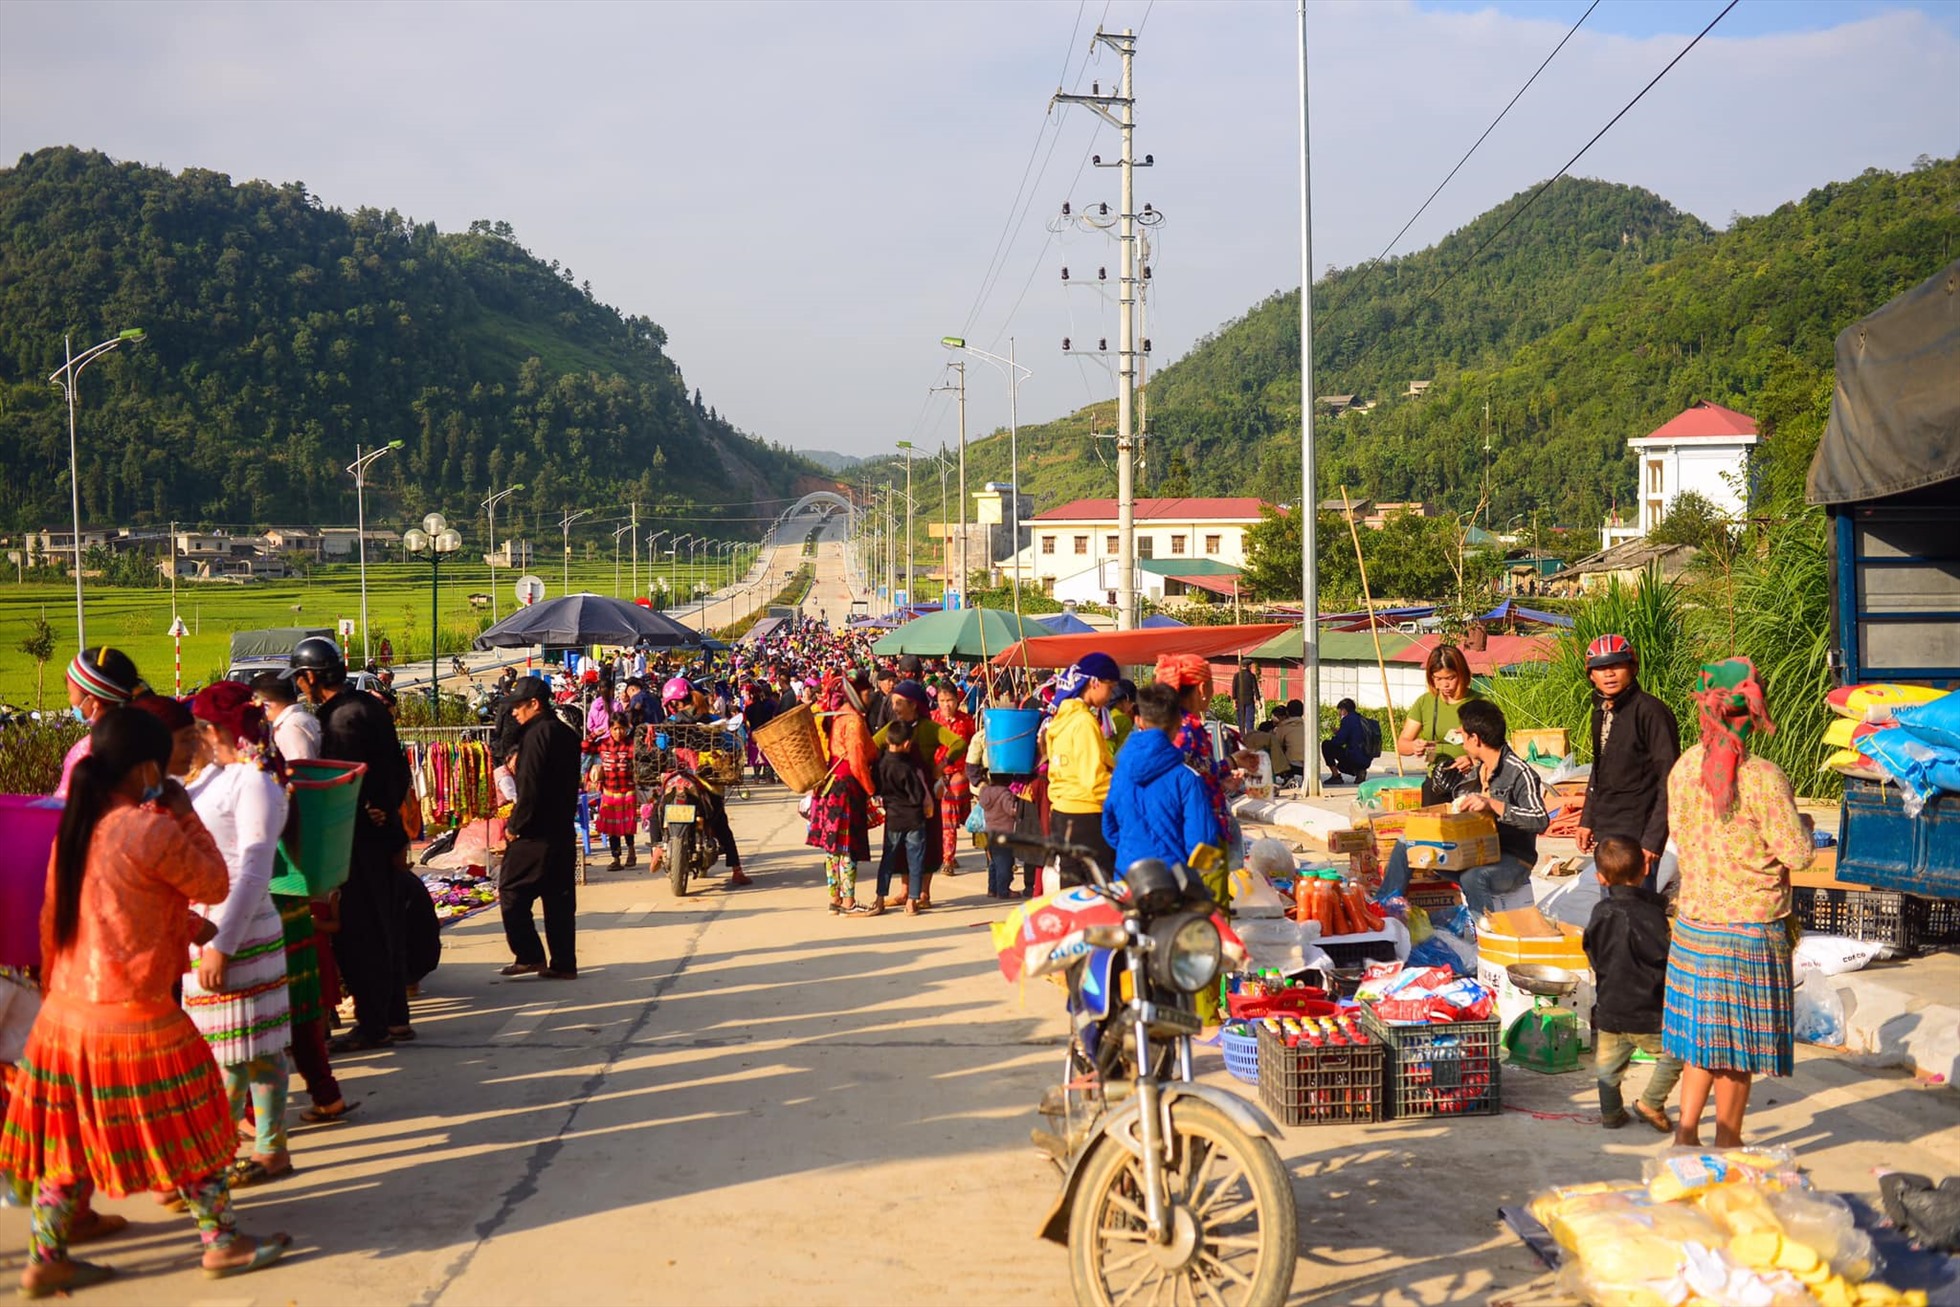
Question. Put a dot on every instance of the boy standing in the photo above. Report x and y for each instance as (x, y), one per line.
(1158, 807)
(1635, 741)
(1626, 942)
(1001, 811)
(902, 785)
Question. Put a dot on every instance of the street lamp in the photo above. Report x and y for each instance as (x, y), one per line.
(906, 445)
(358, 470)
(490, 507)
(65, 376)
(565, 527)
(1015, 375)
(436, 537)
(617, 533)
(650, 557)
(679, 558)
(958, 366)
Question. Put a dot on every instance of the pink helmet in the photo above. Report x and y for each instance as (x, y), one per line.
(675, 690)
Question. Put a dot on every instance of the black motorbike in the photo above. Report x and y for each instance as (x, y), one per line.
(1171, 1190)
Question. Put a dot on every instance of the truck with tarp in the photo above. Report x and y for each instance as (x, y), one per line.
(267, 650)
(1887, 472)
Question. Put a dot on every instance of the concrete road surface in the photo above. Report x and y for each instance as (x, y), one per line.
(743, 1099)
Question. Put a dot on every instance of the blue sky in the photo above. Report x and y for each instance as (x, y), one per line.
(1642, 18)
(808, 196)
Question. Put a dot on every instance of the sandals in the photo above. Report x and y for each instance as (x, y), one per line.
(912, 908)
(80, 1276)
(354, 1042)
(877, 909)
(1658, 1120)
(101, 1225)
(317, 1115)
(270, 1249)
(249, 1172)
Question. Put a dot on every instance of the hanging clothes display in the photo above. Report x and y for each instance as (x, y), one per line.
(450, 781)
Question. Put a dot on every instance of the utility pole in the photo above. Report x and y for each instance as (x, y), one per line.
(1119, 111)
(636, 549)
(1309, 488)
(565, 526)
(959, 366)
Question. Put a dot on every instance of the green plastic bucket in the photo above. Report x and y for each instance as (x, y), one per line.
(313, 857)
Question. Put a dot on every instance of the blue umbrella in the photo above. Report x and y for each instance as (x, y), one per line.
(1157, 622)
(1066, 624)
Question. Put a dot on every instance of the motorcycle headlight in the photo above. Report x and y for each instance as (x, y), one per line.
(1185, 953)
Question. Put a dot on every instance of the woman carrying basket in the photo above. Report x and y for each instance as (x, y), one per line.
(840, 809)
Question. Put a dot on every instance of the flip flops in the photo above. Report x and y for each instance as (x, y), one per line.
(249, 1173)
(317, 1115)
(80, 1276)
(269, 1250)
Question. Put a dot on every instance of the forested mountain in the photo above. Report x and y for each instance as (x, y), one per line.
(1601, 312)
(282, 333)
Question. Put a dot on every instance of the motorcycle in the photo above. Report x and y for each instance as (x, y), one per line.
(1163, 1179)
(687, 839)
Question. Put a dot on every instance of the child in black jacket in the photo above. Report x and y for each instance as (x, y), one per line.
(901, 782)
(1626, 942)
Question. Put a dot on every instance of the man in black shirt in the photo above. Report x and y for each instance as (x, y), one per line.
(878, 707)
(371, 944)
(541, 854)
(1635, 741)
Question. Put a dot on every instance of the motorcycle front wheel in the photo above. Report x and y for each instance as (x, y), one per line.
(680, 857)
(1234, 1232)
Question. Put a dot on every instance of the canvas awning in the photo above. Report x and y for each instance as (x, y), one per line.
(1138, 648)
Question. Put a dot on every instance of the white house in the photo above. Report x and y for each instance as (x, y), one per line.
(1705, 448)
(1072, 550)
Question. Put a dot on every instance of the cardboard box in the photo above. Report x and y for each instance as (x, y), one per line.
(1549, 739)
(1450, 841)
(1567, 949)
(1349, 841)
(1405, 799)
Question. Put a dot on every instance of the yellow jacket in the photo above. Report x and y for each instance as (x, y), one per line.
(1079, 760)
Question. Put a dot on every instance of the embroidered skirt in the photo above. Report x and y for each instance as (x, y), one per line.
(251, 1016)
(125, 1094)
(1729, 997)
(619, 813)
(840, 819)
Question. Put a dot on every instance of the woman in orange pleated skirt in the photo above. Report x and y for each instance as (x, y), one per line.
(117, 1091)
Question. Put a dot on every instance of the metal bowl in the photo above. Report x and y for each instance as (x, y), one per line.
(1546, 981)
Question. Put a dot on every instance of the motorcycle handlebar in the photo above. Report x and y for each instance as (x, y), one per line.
(1038, 848)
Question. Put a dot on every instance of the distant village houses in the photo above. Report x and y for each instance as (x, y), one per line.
(221, 555)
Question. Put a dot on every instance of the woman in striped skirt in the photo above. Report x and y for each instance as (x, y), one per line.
(1729, 985)
(235, 989)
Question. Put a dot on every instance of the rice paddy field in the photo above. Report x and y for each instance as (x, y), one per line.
(137, 621)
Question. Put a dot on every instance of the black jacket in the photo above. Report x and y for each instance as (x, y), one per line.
(547, 782)
(1626, 942)
(902, 785)
(1627, 792)
(355, 727)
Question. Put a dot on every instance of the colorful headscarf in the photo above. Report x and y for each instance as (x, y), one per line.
(1732, 709)
(1181, 671)
(96, 673)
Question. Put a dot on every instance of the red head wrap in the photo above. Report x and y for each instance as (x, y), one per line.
(1182, 670)
(228, 706)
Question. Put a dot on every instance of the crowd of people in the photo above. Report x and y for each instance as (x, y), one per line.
(179, 995)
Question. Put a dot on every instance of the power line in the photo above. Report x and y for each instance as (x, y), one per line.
(1430, 296)
(1353, 281)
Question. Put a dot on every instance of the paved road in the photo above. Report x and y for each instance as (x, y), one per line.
(744, 1099)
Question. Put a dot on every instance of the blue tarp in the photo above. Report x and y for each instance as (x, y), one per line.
(1066, 624)
(1158, 622)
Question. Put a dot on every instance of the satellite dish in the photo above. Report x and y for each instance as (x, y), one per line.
(529, 590)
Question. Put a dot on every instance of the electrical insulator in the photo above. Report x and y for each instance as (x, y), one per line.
(1146, 272)
(1102, 274)
(1065, 208)
(1149, 159)
(1095, 88)
(1146, 208)
(1146, 344)
(1105, 208)
(1064, 274)
(1103, 344)
(1065, 344)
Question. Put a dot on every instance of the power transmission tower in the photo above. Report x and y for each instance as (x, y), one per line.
(1119, 111)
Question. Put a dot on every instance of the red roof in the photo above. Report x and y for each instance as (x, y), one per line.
(1703, 420)
(1174, 510)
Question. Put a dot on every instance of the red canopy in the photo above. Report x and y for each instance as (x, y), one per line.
(1140, 647)
(1500, 651)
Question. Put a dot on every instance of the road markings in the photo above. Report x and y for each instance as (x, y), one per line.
(525, 1021)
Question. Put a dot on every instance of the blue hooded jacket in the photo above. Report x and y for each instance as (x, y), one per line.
(1157, 806)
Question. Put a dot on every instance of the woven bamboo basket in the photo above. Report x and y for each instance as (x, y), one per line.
(791, 744)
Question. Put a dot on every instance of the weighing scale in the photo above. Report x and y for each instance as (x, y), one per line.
(1546, 1038)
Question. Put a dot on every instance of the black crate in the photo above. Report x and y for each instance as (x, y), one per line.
(1940, 926)
(1439, 1070)
(1871, 914)
(1346, 954)
(1329, 1085)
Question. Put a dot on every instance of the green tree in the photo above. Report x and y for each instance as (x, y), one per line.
(38, 645)
(1692, 519)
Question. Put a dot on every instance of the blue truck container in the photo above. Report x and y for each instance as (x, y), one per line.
(1888, 472)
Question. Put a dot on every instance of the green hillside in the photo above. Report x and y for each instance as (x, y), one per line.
(282, 333)
(1600, 313)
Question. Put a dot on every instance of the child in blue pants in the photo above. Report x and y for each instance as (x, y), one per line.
(901, 783)
(1001, 810)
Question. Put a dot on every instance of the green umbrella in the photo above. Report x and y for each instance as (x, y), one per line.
(1342, 646)
(967, 632)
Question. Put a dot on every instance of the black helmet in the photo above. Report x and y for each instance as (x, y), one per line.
(316, 653)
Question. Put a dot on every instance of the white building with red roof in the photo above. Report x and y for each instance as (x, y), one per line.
(1181, 545)
(1705, 449)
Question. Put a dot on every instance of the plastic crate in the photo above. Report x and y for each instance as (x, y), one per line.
(1353, 951)
(1941, 925)
(1330, 1085)
(1871, 914)
(1439, 1069)
(1302, 1000)
(1241, 1055)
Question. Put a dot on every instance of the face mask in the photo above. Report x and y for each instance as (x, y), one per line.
(151, 793)
(76, 710)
